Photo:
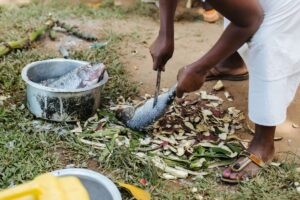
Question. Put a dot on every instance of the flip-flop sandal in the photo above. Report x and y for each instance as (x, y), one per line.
(240, 165)
(211, 16)
(216, 75)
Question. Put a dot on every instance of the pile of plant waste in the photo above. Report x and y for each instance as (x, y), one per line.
(194, 136)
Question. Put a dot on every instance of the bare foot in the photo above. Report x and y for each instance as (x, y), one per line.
(261, 146)
(234, 65)
(266, 154)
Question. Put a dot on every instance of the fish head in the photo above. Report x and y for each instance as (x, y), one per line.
(91, 74)
(125, 112)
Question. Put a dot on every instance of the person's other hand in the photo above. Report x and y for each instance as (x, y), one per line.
(161, 51)
(189, 80)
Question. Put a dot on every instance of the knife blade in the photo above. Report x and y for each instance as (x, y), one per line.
(157, 87)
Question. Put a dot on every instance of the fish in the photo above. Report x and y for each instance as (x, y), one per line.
(81, 77)
(48, 81)
(143, 116)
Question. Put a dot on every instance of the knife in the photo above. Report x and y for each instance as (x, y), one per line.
(157, 88)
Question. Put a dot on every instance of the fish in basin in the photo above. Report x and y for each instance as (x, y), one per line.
(81, 77)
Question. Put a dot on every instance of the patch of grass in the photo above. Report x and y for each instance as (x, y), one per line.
(24, 156)
(12, 65)
(273, 183)
(129, 167)
(24, 153)
(143, 9)
(17, 21)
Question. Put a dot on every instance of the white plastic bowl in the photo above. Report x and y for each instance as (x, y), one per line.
(98, 186)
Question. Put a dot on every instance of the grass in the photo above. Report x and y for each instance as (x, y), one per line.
(28, 147)
(26, 152)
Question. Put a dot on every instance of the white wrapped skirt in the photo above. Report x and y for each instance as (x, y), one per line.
(273, 61)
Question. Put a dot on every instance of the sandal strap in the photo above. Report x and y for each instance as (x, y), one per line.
(214, 72)
(258, 161)
(248, 158)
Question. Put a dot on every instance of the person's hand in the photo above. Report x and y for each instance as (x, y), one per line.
(189, 80)
(161, 51)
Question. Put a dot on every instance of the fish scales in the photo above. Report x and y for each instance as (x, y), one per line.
(145, 115)
(80, 77)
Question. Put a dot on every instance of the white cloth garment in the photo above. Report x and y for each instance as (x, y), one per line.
(269, 100)
(273, 61)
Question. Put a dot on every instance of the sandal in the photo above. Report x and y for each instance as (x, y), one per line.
(240, 165)
(216, 75)
(211, 16)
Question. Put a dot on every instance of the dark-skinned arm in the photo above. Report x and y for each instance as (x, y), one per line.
(246, 17)
(163, 47)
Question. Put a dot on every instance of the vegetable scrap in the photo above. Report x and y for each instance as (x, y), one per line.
(2, 99)
(143, 181)
(219, 86)
(136, 192)
(252, 131)
(99, 45)
(278, 138)
(297, 185)
(193, 137)
(275, 164)
(78, 129)
(228, 96)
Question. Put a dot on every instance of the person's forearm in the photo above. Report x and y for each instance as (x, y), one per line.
(245, 22)
(167, 14)
(231, 40)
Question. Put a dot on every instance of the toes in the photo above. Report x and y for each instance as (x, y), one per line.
(226, 173)
(233, 176)
(246, 177)
(242, 175)
(249, 172)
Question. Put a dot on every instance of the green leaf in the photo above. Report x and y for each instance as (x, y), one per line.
(235, 147)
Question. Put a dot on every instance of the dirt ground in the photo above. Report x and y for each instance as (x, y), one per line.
(192, 40)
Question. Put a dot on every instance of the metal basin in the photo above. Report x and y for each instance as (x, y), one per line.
(59, 104)
(97, 185)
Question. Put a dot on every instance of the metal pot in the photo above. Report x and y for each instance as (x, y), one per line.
(97, 185)
(59, 104)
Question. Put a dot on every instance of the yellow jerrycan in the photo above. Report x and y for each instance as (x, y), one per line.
(47, 187)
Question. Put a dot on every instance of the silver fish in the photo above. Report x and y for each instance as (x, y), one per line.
(141, 117)
(80, 77)
(48, 81)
